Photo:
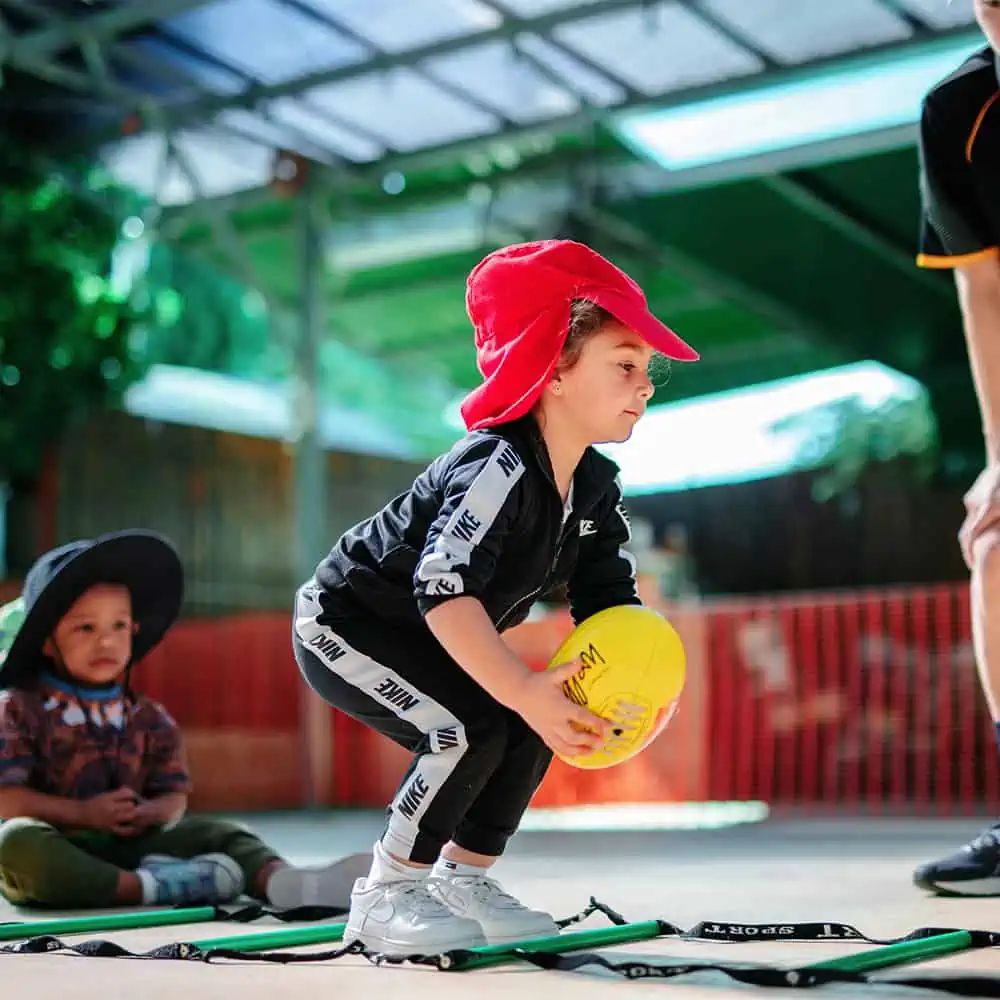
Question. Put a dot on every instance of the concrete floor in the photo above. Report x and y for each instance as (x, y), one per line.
(853, 871)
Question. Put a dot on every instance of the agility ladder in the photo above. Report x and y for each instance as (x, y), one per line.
(566, 952)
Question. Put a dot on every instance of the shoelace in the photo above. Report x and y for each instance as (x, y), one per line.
(418, 896)
(485, 890)
(989, 838)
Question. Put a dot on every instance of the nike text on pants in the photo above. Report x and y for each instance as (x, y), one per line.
(476, 763)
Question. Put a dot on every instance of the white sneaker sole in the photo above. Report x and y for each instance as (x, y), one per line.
(319, 885)
(971, 887)
(389, 946)
(523, 934)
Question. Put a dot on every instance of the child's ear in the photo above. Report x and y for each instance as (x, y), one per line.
(135, 628)
(49, 648)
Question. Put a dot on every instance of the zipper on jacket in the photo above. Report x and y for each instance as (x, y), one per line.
(563, 537)
(518, 603)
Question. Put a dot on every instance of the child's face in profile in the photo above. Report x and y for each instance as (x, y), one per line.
(605, 393)
(94, 638)
(988, 16)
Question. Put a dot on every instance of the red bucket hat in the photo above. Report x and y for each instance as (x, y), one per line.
(518, 299)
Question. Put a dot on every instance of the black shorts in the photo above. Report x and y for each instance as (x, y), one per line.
(476, 763)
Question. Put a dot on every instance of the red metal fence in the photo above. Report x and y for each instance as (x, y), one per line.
(858, 700)
(864, 701)
(233, 686)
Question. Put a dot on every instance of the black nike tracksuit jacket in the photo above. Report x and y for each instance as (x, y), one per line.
(486, 520)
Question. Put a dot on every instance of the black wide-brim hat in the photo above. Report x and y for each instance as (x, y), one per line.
(143, 561)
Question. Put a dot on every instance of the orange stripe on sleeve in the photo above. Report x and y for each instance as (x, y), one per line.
(935, 262)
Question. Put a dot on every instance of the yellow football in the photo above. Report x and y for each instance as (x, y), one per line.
(632, 674)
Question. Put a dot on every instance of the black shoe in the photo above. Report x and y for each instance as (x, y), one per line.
(972, 871)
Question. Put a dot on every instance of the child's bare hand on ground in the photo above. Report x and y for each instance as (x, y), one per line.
(114, 811)
(564, 726)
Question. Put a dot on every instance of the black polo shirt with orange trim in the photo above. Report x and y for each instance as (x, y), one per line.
(959, 149)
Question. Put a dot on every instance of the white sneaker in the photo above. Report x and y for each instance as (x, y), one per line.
(403, 918)
(320, 885)
(502, 918)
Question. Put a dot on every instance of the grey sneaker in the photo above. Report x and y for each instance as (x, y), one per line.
(319, 885)
(206, 878)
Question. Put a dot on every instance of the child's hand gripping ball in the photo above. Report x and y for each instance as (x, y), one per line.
(632, 674)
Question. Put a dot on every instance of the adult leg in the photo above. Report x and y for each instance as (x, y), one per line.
(974, 870)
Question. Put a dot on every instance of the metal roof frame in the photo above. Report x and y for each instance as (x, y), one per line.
(86, 57)
(38, 53)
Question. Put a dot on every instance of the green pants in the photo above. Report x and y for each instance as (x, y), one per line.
(46, 867)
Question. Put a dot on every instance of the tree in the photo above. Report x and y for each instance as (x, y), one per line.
(64, 325)
(844, 437)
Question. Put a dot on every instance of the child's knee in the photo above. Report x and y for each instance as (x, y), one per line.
(23, 843)
(204, 834)
(24, 859)
(207, 835)
(486, 739)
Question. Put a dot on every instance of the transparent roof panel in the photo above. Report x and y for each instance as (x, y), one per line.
(776, 116)
(270, 41)
(257, 127)
(667, 47)
(386, 239)
(324, 133)
(527, 206)
(500, 77)
(393, 25)
(408, 110)
(593, 87)
(137, 162)
(222, 46)
(202, 74)
(221, 165)
(939, 13)
(264, 128)
(829, 28)
(533, 8)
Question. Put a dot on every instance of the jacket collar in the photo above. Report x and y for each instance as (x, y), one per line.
(592, 479)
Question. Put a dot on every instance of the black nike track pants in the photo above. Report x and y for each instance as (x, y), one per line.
(476, 764)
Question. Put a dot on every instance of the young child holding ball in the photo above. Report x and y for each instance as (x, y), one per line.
(400, 627)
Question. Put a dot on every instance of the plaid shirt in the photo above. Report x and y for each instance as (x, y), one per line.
(47, 744)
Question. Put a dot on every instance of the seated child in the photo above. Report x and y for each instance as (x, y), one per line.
(401, 625)
(93, 780)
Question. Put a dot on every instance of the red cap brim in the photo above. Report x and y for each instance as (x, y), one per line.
(658, 335)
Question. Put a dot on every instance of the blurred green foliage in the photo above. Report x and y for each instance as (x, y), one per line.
(846, 437)
(89, 300)
(64, 327)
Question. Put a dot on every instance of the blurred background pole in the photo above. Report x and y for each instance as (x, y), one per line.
(310, 481)
(4, 498)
